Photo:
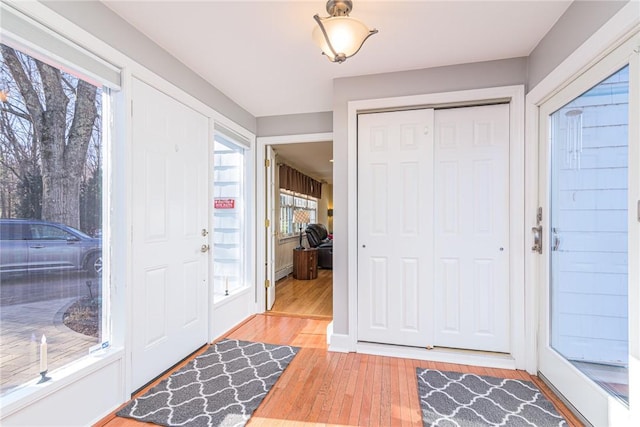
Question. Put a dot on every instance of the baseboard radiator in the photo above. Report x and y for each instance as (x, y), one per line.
(284, 272)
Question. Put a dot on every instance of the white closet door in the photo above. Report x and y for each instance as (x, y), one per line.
(471, 208)
(169, 308)
(395, 227)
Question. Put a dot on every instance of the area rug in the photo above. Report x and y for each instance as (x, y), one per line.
(465, 400)
(221, 387)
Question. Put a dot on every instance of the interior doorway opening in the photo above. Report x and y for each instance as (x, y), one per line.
(299, 228)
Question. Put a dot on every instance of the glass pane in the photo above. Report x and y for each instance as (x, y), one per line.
(589, 325)
(228, 217)
(51, 227)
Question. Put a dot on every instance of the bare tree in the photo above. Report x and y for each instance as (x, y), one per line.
(62, 137)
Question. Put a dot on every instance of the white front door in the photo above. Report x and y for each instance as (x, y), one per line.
(471, 300)
(270, 180)
(591, 233)
(395, 226)
(170, 280)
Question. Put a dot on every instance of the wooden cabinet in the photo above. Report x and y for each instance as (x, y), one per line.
(305, 264)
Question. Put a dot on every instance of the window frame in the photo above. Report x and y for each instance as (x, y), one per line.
(235, 143)
(110, 95)
(296, 197)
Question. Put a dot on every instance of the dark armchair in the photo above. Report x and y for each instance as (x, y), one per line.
(318, 238)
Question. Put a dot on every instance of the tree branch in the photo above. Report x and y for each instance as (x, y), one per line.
(32, 102)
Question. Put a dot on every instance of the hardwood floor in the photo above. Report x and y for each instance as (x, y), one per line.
(308, 298)
(346, 389)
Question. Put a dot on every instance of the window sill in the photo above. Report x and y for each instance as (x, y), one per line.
(285, 239)
(220, 299)
(31, 391)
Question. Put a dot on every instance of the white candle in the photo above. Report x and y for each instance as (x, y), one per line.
(226, 284)
(43, 354)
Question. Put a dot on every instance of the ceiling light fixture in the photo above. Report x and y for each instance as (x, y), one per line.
(338, 35)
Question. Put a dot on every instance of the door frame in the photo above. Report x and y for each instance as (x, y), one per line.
(521, 335)
(261, 210)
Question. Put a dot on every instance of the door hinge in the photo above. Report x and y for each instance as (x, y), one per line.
(539, 215)
(267, 223)
(267, 284)
(638, 210)
(267, 163)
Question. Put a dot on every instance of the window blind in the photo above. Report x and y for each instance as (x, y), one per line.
(37, 40)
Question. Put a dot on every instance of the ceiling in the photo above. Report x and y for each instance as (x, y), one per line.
(261, 55)
(313, 158)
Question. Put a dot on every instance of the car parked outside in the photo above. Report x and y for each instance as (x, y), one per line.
(30, 245)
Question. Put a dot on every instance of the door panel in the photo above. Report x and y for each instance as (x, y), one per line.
(472, 228)
(395, 188)
(271, 233)
(584, 348)
(169, 213)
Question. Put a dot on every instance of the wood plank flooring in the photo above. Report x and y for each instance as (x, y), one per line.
(308, 298)
(345, 389)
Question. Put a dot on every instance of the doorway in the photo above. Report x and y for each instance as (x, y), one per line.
(285, 292)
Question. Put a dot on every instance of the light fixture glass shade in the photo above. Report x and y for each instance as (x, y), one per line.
(345, 34)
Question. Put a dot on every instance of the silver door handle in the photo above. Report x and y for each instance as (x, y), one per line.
(204, 248)
(537, 239)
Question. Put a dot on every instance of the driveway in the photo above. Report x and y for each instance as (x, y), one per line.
(31, 306)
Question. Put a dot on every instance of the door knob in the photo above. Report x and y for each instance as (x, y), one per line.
(204, 248)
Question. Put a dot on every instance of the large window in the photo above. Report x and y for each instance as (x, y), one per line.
(229, 217)
(51, 210)
(289, 203)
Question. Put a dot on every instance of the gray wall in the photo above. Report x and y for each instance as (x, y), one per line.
(102, 22)
(575, 26)
(433, 80)
(295, 124)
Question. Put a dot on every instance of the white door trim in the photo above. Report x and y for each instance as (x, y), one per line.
(261, 213)
(515, 96)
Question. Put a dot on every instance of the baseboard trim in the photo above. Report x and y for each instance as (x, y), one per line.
(447, 355)
(338, 343)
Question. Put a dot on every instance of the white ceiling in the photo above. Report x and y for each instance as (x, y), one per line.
(311, 158)
(260, 53)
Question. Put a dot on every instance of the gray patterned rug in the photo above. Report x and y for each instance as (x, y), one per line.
(221, 387)
(468, 400)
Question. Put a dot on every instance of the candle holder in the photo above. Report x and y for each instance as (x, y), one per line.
(226, 292)
(43, 377)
